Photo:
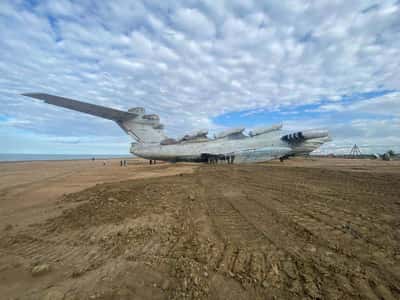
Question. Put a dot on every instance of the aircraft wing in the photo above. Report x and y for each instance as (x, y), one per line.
(88, 108)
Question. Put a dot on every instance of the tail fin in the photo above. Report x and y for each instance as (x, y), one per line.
(143, 128)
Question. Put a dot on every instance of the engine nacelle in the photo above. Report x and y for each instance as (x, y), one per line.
(305, 135)
(193, 136)
(293, 137)
(230, 132)
(314, 134)
(264, 130)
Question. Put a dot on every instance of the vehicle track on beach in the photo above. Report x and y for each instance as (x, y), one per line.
(292, 226)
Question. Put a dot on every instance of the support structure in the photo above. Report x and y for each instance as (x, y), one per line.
(355, 151)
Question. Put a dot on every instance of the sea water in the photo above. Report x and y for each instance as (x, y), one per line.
(30, 157)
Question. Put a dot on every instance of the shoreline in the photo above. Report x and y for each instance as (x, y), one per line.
(17, 158)
(61, 160)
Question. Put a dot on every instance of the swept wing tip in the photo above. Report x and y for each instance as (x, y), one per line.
(88, 108)
(32, 95)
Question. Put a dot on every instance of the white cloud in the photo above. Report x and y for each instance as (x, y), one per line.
(372, 136)
(388, 104)
(194, 23)
(191, 61)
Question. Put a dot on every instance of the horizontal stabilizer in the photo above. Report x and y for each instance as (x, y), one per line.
(88, 108)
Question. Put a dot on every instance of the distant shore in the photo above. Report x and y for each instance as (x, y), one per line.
(18, 157)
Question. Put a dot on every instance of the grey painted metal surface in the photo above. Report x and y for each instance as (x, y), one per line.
(261, 144)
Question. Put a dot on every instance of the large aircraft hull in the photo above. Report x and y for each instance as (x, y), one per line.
(261, 144)
(246, 150)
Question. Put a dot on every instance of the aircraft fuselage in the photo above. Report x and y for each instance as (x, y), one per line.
(256, 148)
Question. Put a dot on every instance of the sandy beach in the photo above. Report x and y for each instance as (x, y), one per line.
(302, 229)
(29, 190)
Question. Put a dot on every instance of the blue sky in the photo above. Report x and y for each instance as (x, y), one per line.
(200, 64)
(257, 117)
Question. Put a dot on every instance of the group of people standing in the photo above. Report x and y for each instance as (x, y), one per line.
(123, 163)
(214, 159)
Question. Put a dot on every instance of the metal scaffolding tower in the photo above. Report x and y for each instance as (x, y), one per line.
(355, 151)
